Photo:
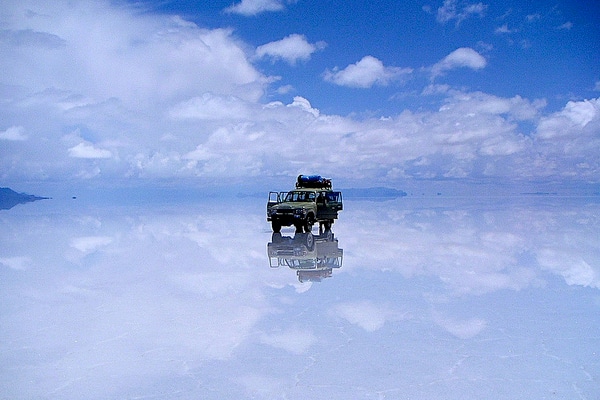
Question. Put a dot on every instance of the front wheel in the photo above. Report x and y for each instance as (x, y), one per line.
(276, 225)
(308, 224)
(310, 241)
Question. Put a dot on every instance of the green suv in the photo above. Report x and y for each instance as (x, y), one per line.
(312, 201)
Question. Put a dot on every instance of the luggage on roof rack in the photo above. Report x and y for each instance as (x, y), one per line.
(313, 182)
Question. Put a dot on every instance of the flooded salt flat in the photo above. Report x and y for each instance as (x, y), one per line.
(407, 298)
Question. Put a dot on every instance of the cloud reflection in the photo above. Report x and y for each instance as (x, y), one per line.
(476, 249)
(174, 301)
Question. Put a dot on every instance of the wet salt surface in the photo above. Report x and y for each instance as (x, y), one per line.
(427, 298)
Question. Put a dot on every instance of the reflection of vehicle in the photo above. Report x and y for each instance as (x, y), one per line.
(312, 201)
(312, 256)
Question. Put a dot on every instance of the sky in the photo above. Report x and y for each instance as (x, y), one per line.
(369, 93)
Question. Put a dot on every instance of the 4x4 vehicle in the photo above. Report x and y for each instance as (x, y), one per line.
(312, 201)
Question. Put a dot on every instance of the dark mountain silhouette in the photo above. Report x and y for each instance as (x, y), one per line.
(373, 193)
(9, 198)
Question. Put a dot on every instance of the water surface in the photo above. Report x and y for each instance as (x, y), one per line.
(418, 298)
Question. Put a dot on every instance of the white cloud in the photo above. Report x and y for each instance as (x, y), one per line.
(29, 37)
(473, 104)
(365, 73)
(89, 244)
(14, 133)
(453, 10)
(566, 26)
(212, 107)
(464, 57)
(290, 49)
(137, 79)
(285, 89)
(16, 263)
(504, 29)
(138, 58)
(304, 104)
(254, 7)
(88, 150)
(434, 89)
(583, 112)
(472, 134)
(228, 152)
(571, 120)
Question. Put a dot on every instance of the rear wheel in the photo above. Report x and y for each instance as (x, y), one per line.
(325, 226)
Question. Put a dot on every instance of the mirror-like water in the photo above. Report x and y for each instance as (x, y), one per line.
(410, 298)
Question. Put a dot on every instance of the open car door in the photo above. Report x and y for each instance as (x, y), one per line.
(328, 205)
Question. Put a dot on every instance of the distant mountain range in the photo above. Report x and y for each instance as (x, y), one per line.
(373, 192)
(9, 198)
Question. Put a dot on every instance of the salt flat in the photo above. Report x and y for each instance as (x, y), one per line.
(432, 298)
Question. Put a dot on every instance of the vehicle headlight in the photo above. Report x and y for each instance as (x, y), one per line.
(300, 211)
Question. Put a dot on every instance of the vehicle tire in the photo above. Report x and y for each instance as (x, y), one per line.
(276, 226)
(310, 241)
(308, 224)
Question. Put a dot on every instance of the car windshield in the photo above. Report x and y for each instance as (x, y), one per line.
(300, 196)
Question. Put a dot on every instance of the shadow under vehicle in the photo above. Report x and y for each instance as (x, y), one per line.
(312, 201)
(313, 257)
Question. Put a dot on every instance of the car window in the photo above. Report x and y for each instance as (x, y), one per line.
(332, 196)
(300, 196)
